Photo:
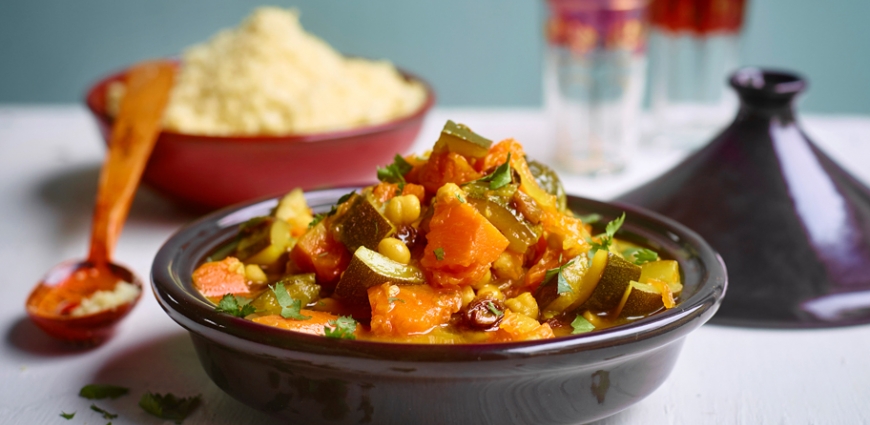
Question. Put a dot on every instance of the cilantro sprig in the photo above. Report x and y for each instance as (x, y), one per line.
(169, 406)
(581, 325)
(290, 308)
(230, 304)
(641, 256)
(100, 391)
(341, 328)
(395, 172)
(562, 285)
(610, 230)
(319, 217)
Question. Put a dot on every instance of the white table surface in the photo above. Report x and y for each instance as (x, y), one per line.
(49, 160)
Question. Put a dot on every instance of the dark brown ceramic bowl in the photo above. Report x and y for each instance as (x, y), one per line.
(311, 380)
(208, 172)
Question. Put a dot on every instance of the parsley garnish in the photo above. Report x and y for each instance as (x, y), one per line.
(168, 406)
(97, 391)
(439, 253)
(493, 309)
(607, 239)
(106, 415)
(394, 299)
(319, 217)
(290, 308)
(67, 416)
(641, 256)
(501, 176)
(562, 285)
(581, 325)
(230, 304)
(341, 328)
(395, 172)
(589, 218)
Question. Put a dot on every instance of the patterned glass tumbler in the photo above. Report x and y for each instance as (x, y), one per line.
(594, 78)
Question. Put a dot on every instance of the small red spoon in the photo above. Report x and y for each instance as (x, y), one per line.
(53, 303)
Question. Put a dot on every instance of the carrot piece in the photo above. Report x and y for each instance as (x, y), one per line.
(443, 168)
(318, 252)
(384, 191)
(410, 310)
(218, 278)
(518, 327)
(535, 275)
(498, 154)
(314, 325)
(461, 243)
(416, 190)
(570, 230)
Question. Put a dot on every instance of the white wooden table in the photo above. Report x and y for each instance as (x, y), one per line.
(49, 160)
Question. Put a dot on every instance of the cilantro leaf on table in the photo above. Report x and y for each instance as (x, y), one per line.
(106, 414)
(341, 328)
(581, 325)
(230, 304)
(501, 177)
(169, 406)
(641, 256)
(395, 172)
(610, 230)
(67, 416)
(290, 308)
(99, 391)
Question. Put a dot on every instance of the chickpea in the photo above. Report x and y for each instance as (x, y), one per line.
(255, 274)
(467, 294)
(524, 304)
(403, 209)
(491, 292)
(486, 279)
(395, 250)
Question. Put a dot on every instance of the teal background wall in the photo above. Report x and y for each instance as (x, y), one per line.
(475, 52)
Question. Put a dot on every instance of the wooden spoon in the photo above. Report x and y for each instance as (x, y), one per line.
(52, 305)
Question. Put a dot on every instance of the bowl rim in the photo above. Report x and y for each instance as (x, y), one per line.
(183, 306)
(93, 103)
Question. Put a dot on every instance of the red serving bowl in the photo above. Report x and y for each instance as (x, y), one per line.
(208, 172)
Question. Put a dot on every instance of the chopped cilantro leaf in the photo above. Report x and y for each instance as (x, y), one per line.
(439, 253)
(590, 218)
(562, 285)
(581, 325)
(641, 256)
(459, 197)
(344, 198)
(67, 416)
(341, 328)
(98, 391)
(168, 406)
(106, 415)
(317, 219)
(394, 299)
(290, 308)
(230, 304)
(501, 177)
(493, 309)
(395, 172)
(606, 239)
